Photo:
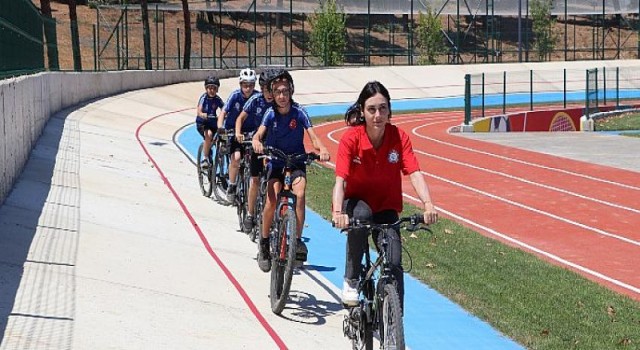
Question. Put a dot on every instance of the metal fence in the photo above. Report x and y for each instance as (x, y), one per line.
(489, 94)
(22, 45)
(234, 34)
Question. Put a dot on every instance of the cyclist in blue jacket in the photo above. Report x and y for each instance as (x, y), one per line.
(227, 120)
(284, 126)
(249, 119)
(206, 117)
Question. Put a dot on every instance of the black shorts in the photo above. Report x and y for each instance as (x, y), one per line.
(256, 165)
(235, 146)
(204, 127)
(276, 173)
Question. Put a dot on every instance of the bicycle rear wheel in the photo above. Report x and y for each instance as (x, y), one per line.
(282, 261)
(390, 325)
(204, 174)
(221, 172)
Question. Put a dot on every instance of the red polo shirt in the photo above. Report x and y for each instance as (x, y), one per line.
(375, 175)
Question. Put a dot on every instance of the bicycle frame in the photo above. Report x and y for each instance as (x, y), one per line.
(376, 284)
(283, 231)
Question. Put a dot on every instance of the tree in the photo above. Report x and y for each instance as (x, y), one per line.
(429, 37)
(187, 35)
(146, 37)
(328, 33)
(75, 36)
(543, 28)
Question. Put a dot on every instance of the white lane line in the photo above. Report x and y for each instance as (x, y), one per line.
(538, 211)
(534, 249)
(515, 160)
(578, 195)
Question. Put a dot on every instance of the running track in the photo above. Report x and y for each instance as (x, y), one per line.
(578, 215)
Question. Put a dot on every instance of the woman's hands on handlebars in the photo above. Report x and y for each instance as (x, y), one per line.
(340, 220)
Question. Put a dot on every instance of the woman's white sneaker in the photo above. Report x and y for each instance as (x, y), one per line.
(350, 293)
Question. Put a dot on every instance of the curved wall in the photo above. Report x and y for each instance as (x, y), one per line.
(27, 103)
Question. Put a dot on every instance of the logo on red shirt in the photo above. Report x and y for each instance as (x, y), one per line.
(292, 124)
(393, 157)
(356, 160)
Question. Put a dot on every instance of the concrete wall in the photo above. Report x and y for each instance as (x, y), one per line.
(27, 103)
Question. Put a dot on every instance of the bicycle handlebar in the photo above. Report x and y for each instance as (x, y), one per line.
(292, 158)
(414, 221)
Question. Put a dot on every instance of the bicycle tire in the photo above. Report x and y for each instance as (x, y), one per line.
(257, 228)
(240, 203)
(221, 172)
(390, 325)
(364, 335)
(283, 262)
(204, 175)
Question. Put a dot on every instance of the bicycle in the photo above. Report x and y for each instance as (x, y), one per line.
(221, 165)
(244, 181)
(260, 200)
(283, 232)
(205, 173)
(379, 307)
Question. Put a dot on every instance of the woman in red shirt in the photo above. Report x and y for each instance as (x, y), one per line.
(372, 156)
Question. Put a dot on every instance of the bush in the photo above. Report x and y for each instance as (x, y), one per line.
(429, 40)
(328, 33)
(543, 24)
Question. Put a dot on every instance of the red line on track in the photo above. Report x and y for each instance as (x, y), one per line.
(580, 215)
(279, 342)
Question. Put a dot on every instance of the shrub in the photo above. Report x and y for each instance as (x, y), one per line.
(328, 33)
(429, 40)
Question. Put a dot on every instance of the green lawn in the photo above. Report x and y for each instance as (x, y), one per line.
(539, 305)
(620, 122)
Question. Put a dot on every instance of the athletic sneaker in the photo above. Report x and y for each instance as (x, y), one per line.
(301, 251)
(204, 164)
(231, 193)
(264, 259)
(350, 293)
(248, 224)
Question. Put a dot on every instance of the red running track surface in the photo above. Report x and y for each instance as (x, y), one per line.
(575, 214)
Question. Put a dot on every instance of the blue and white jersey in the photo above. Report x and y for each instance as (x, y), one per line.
(233, 107)
(209, 106)
(255, 108)
(286, 132)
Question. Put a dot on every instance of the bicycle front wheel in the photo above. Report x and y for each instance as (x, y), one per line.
(221, 172)
(283, 260)
(204, 173)
(241, 199)
(391, 327)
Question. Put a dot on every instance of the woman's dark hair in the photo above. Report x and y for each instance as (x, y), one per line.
(371, 88)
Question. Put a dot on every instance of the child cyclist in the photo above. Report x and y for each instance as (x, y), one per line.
(284, 125)
(206, 122)
(249, 119)
(227, 119)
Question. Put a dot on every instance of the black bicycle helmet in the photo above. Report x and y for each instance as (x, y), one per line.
(279, 75)
(265, 76)
(211, 80)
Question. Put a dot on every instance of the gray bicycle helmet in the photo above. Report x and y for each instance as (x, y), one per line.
(211, 80)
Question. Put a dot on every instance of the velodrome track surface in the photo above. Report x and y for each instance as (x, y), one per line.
(106, 241)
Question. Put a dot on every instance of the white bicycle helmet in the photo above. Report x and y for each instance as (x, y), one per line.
(248, 75)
